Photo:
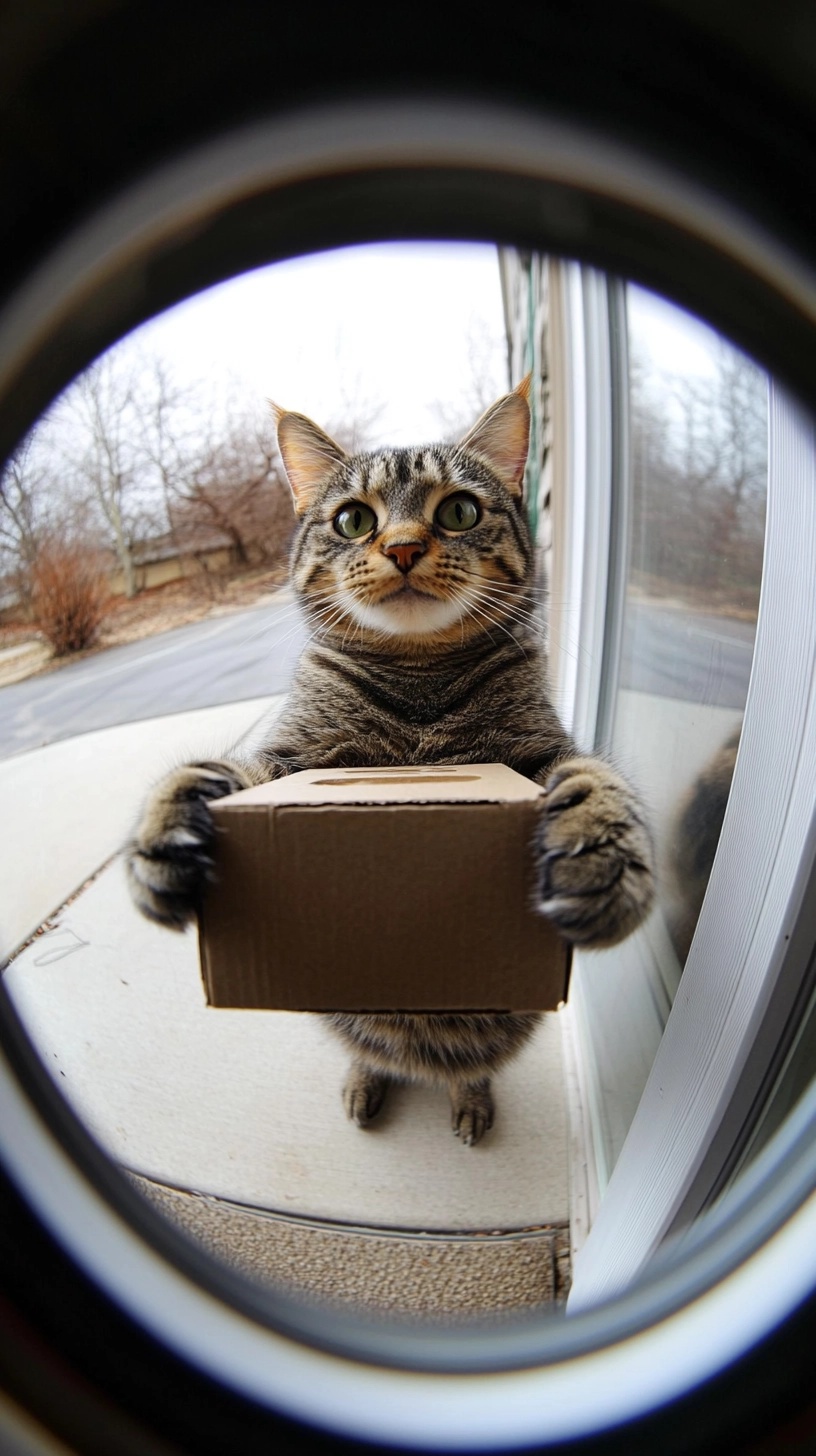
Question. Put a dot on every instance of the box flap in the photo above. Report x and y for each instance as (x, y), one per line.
(478, 783)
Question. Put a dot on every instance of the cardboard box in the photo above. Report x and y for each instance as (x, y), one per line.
(380, 889)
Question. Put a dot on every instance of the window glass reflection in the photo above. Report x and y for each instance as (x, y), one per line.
(699, 477)
(697, 424)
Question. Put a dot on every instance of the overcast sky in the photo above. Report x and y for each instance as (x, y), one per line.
(396, 328)
(668, 338)
(390, 325)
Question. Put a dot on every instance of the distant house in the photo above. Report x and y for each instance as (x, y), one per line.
(174, 555)
(170, 557)
(9, 600)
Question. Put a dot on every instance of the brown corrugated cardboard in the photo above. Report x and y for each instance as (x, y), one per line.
(380, 889)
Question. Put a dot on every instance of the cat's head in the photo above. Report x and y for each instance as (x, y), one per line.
(428, 544)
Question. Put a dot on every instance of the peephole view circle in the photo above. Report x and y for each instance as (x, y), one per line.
(386, 690)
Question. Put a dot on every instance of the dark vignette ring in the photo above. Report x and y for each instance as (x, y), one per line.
(419, 202)
(416, 203)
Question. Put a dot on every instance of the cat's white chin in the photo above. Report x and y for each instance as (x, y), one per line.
(406, 612)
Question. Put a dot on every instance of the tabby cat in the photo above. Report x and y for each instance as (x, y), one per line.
(414, 568)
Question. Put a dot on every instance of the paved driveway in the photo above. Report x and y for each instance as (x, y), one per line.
(249, 654)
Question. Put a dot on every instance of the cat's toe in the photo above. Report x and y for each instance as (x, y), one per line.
(472, 1112)
(595, 858)
(363, 1096)
(471, 1126)
(167, 886)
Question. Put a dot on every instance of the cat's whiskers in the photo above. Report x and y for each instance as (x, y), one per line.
(303, 616)
(279, 616)
(515, 608)
(521, 618)
(297, 611)
(336, 604)
(521, 588)
(324, 628)
(278, 643)
(508, 598)
(569, 641)
(382, 638)
(517, 596)
(352, 623)
(316, 605)
(475, 606)
(470, 612)
(319, 601)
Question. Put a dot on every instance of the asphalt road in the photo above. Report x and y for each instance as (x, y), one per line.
(250, 654)
(698, 658)
(247, 654)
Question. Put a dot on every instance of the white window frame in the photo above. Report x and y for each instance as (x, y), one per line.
(581, 491)
(745, 968)
(586, 591)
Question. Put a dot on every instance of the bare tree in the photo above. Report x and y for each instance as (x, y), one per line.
(103, 415)
(158, 458)
(53, 559)
(234, 482)
(231, 477)
(742, 432)
(23, 496)
(128, 456)
(171, 418)
(35, 506)
(699, 478)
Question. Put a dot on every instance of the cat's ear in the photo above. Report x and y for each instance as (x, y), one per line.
(309, 455)
(502, 436)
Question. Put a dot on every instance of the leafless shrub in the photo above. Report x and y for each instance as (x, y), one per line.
(69, 594)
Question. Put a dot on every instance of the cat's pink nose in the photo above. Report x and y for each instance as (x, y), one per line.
(405, 554)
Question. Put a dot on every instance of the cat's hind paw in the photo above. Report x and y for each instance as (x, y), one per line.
(364, 1094)
(594, 854)
(169, 860)
(472, 1110)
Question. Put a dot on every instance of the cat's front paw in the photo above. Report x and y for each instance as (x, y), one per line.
(169, 860)
(595, 857)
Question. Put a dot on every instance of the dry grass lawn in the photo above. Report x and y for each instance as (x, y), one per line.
(24, 653)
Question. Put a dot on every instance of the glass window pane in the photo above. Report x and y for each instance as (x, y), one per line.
(698, 478)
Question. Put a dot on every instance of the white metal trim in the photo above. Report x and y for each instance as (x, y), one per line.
(581, 501)
(581, 492)
(765, 857)
(584, 1191)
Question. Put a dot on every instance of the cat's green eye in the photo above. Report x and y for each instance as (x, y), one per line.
(458, 513)
(355, 521)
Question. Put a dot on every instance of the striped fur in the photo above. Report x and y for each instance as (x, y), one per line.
(426, 649)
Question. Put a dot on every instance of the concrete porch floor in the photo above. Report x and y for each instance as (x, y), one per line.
(232, 1122)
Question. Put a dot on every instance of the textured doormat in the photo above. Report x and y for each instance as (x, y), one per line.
(377, 1271)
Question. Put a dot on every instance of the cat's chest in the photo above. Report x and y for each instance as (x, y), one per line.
(377, 738)
(413, 744)
(341, 715)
